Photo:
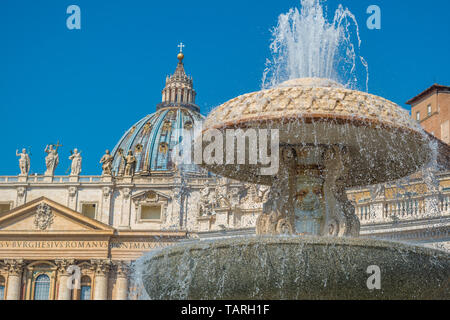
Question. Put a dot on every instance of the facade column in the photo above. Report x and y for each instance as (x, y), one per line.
(105, 207)
(102, 268)
(15, 269)
(64, 291)
(122, 271)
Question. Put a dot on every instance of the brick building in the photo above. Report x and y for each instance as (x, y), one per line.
(432, 109)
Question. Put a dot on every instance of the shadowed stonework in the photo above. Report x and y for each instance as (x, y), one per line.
(294, 268)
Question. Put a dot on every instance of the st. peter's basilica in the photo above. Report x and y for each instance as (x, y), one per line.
(143, 200)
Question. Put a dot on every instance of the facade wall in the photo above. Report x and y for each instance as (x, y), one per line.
(119, 203)
(414, 212)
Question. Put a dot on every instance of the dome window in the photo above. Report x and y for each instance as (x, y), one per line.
(164, 147)
(138, 148)
(167, 125)
(147, 127)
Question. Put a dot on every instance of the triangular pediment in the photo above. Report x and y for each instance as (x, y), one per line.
(44, 215)
(151, 195)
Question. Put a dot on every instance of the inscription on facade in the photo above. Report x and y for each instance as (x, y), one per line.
(22, 244)
(45, 244)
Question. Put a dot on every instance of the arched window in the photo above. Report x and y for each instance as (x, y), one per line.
(85, 293)
(2, 288)
(42, 287)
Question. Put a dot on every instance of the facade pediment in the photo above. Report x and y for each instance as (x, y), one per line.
(46, 216)
(151, 196)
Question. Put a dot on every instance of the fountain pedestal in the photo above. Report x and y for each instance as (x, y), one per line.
(306, 198)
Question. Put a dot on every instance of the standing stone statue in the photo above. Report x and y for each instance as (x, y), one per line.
(24, 162)
(106, 162)
(130, 164)
(52, 159)
(76, 163)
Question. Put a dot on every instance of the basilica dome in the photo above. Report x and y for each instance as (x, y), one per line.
(153, 139)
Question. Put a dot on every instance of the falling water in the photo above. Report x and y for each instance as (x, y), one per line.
(306, 45)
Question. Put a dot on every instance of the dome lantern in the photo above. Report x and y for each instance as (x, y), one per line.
(179, 89)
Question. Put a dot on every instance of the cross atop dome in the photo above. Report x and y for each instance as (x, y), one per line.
(181, 46)
(181, 55)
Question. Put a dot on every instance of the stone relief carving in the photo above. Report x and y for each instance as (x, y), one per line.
(126, 193)
(43, 218)
(107, 191)
(72, 191)
(21, 191)
(222, 195)
(207, 200)
(276, 217)
(226, 195)
(254, 194)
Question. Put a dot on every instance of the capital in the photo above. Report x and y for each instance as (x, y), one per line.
(14, 266)
(63, 264)
(122, 268)
(101, 267)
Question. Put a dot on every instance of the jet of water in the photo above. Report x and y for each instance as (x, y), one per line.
(306, 45)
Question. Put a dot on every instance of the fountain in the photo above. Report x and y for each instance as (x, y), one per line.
(331, 138)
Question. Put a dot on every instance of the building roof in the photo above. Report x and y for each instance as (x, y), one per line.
(435, 87)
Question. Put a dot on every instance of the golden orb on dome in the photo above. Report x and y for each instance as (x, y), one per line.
(180, 56)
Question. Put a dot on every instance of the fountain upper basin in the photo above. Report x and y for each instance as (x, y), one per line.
(384, 143)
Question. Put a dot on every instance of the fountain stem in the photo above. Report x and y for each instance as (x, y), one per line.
(306, 198)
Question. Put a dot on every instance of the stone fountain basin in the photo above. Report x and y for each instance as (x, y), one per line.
(377, 152)
(295, 268)
(384, 142)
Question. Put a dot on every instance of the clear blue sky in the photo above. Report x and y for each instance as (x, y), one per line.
(86, 87)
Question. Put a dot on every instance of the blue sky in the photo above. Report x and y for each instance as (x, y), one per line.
(86, 87)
